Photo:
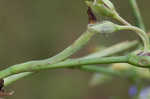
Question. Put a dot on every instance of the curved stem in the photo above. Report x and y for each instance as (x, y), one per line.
(79, 43)
(106, 52)
(120, 19)
(141, 33)
(13, 78)
(137, 14)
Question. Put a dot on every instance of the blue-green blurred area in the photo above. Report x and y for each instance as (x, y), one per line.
(38, 29)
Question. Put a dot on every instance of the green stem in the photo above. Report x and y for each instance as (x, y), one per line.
(109, 51)
(106, 52)
(137, 14)
(78, 44)
(120, 19)
(49, 63)
(117, 48)
(141, 33)
(41, 65)
(61, 56)
(100, 69)
(13, 78)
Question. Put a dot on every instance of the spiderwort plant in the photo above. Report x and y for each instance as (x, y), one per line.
(140, 58)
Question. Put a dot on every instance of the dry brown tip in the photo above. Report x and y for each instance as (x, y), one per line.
(91, 16)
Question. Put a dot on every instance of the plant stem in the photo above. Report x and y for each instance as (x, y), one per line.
(120, 19)
(120, 47)
(73, 63)
(85, 37)
(63, 55)
(106, 52)
(13, 78)
(41, 65)
(117, 48)
(141, 33)
(78, 44)
(100, 69)
(137, 14)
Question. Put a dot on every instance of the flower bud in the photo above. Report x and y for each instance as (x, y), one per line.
(104, 27)
(102, 7)
(108, 4)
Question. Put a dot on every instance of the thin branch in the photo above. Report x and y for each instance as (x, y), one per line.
(137, 14)
(78, 44)
(46, 64)
(133, 59)
(13, 78)
(120, 19)
(70, 50)
(117, 48)
(100, 69)
(142, 61)
(41, 65)
(144, 37)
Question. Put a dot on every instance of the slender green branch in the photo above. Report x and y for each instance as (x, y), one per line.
(142, 61)
(78, 44)
(41, 65)
(109, 27)
(120, 19)
(85, 37)
(67, 52)
(141, 33)
(36, 65)
(46, 64)
(15, 77)
(137, 14)
(10, 74)
(124, 70)
(117, 48)
(106, 52)
(100, 69)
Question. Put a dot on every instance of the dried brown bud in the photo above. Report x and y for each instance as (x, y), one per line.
(91, 16)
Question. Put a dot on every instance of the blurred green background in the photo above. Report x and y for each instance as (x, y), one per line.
(38, 29)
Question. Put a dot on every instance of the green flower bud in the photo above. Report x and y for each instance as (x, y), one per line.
(104, 27)
(108, 4)
(102, 7)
